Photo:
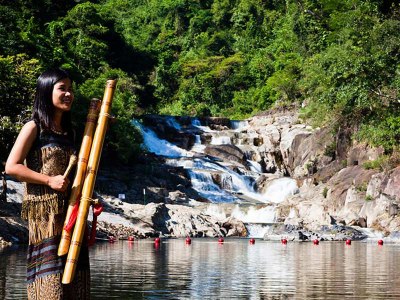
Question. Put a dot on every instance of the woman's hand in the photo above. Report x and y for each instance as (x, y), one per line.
(58, 183)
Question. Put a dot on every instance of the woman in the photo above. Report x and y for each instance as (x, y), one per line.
(39, 157)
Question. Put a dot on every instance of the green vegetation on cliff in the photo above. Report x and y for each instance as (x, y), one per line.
(230, 58)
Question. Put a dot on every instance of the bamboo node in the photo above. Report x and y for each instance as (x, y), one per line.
(107, 115)
(90, 200)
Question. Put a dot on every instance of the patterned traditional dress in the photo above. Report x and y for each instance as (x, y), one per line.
(45, 210)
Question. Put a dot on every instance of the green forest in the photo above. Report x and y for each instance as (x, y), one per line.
(339, 60)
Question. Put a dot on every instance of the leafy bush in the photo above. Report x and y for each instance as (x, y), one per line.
(368, 165)
(16, 97)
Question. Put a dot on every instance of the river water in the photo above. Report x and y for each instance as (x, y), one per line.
(232, 270)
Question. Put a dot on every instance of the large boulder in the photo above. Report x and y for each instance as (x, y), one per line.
(342, 181)
(309, 152)
(227, 153)
(177, 220)
(234, 227)
(291, 138)
(392, 188)
(212, 121)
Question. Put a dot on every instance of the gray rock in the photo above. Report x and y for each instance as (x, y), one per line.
(227, 153)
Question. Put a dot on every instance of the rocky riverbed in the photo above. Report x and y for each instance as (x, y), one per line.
(338, 194)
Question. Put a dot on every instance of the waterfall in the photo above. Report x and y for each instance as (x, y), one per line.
(256, 215)
(198, 146)
(216, 211)
(159, 146)
(280, 188)
(196, 123)
(240, 184)
(204, 184)
(257, 219)
(215, 180)
(256, 230)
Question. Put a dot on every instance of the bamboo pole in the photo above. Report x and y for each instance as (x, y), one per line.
(88, 186)
(80, 172)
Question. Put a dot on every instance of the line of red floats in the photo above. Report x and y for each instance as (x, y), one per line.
(221, 240)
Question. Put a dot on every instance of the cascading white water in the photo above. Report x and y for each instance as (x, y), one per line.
(198, 146)
(159, 146)
(254, 166)
(196, 122)
(216, 211)
(203, 183)
(266, 214)
(256, 230)
(279, 189)
(240, 184)
(256, 218)
(234, 187)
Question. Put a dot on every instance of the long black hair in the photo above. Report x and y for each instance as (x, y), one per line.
(43, 107)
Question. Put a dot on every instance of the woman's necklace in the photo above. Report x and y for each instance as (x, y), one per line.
(57, 131)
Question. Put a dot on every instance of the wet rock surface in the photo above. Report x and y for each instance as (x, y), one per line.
(227, 153)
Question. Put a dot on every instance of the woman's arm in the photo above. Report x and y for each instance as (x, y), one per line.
(15, 162)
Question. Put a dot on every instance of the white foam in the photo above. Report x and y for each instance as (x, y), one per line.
(254, 166)
(239, 125)
(279, 189)
(221, 140)
(216, 211)
(266, 214)
(256, 230)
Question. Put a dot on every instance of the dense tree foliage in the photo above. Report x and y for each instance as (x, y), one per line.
(230, 58)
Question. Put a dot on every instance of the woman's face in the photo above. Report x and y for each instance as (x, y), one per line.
(63, 96)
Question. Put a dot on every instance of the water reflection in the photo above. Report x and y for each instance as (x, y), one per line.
(235, 269)
(13, 272)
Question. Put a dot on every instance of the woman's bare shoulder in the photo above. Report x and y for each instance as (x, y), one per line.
(30, 126)
(29, 129)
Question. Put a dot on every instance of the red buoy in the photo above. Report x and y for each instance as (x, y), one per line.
(284, 241)
(111, 239)
(157, 240)
(348, 242)
(130, 239)
(252, 241)
(220, 240)
(188, 241)
(316, 242)
(380, 243)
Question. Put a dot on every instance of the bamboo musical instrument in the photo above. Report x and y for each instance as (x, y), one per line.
(88, 186)
(80, 172)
